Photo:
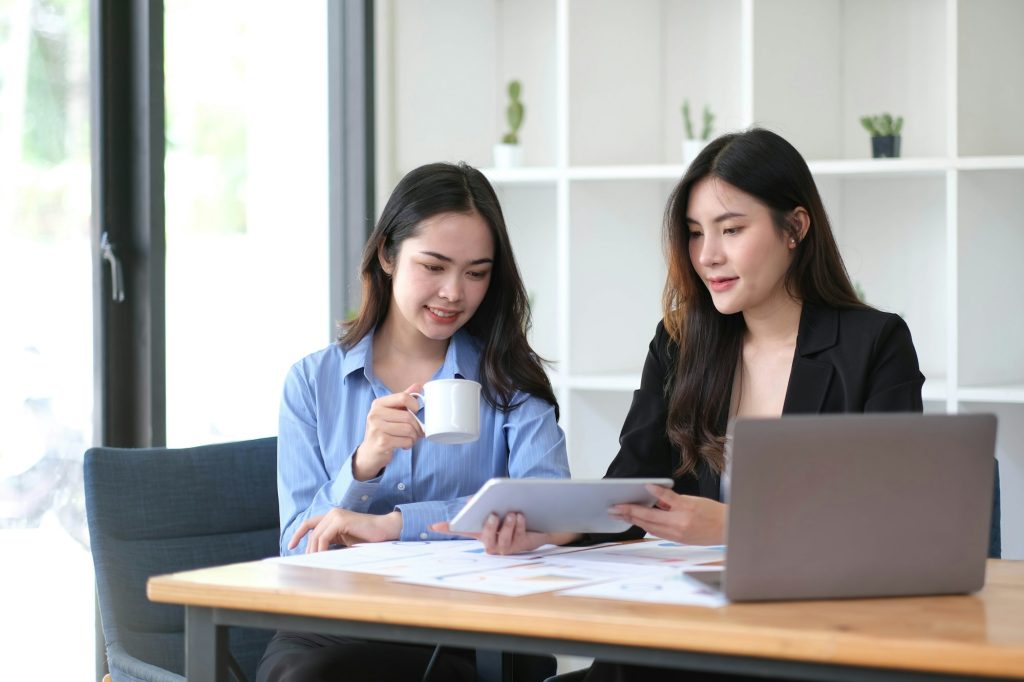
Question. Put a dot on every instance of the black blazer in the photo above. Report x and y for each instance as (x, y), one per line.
(846, 361)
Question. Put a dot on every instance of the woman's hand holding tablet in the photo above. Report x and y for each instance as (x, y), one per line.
(517, 515)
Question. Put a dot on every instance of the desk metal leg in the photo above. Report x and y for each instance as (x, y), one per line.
(493, 666)
(206, 646)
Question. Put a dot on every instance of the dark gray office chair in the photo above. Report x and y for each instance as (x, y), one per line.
(159, 510)
(995, 536)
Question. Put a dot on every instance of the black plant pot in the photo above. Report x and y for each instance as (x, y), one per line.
(885, 147)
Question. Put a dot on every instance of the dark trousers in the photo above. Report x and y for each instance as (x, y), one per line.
(304, 657)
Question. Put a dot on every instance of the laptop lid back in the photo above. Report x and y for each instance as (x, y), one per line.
(857, 505)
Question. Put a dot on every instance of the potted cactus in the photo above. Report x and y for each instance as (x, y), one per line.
(508, 153)
(692, 144)
(885, 134)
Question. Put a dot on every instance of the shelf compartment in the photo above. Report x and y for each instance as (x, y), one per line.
(870, 218)
(991, 309)
(935, 390)
(990, 52)
(595, 441)
(437, 104)
(635, 62)
(530, 217)
(616, 272)
(821, 65)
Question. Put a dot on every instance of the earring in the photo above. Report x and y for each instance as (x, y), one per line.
(792, 241)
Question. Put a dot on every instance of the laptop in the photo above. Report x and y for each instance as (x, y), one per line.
(858, 505)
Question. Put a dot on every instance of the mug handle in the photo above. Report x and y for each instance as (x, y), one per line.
(419, 398)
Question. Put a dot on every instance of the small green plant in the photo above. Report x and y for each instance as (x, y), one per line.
(883, 125)
(706, 128)
(514, 113)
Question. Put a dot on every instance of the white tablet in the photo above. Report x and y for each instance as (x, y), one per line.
(555, 505)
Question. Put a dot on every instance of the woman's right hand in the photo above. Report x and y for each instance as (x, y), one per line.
(686, 519)
(509, 535)
(390, 424)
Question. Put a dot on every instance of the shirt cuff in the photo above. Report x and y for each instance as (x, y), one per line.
(417, 517)
(348, 493)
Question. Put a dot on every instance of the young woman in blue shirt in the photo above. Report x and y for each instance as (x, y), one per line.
(442, 299)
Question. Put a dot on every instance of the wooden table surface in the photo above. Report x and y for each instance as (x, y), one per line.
(978, 634)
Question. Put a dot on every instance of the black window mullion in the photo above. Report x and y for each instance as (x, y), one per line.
(350, 73)
(126, 56)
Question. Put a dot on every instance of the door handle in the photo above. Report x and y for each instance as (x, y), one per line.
(116, 273)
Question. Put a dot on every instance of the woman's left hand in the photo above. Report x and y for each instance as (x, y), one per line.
(343, 527)
(687, 519)
(509, 535)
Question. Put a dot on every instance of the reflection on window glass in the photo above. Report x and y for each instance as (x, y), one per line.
(246, 195)
(46, 343)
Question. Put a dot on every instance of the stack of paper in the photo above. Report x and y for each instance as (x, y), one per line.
(653, 571)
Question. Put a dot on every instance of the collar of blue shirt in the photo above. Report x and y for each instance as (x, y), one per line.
(462, 360)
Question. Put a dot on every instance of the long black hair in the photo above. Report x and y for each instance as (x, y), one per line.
(507, 363)
(768, 168)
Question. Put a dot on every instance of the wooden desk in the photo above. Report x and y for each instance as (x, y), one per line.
(943, 638)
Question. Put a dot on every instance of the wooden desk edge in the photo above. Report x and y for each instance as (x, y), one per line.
(513, 616)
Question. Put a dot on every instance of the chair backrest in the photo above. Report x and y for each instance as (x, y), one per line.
(160, 510)
(995, 535)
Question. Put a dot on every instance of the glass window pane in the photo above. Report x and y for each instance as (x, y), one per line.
(46, 383)
(247, 212)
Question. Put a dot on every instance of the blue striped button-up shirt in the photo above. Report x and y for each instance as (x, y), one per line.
(327, 396)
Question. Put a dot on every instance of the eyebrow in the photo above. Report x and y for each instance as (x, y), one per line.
(719, 219)
(446, 259)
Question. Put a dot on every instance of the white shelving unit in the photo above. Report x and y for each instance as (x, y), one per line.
(936, 236)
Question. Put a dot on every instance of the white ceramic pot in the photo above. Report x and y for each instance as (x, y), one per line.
(508, 155)
(690, 150)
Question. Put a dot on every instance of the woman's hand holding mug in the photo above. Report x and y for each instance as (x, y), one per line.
(452, 413)
(390, 424)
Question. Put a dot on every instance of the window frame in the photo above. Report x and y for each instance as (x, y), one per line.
(127, 105)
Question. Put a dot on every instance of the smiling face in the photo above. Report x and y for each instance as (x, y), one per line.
(736, 249)
(440, 276)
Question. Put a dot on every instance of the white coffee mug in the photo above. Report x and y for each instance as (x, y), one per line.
(451, 410)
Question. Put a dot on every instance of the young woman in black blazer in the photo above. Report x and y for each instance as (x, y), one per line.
(760, 320)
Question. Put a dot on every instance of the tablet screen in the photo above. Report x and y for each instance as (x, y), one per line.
(557, 505)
